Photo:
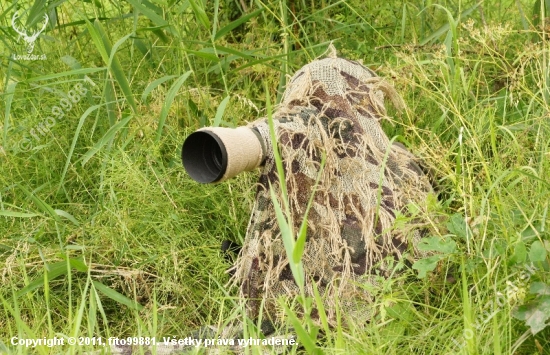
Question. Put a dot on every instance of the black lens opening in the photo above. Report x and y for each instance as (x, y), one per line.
(204, 157)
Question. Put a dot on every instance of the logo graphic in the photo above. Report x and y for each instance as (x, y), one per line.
(29, 39)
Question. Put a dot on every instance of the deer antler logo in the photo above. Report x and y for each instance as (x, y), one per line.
(30, 39)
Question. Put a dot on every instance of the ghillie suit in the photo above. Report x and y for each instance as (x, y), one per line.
(331, 106)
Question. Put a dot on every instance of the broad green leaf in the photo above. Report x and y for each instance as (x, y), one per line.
(537, 252)
(116, 296)
(426, 265)
(535, 314)
(402, 310)
(520, 253)
(104, 140)
(220, 111)
(457, 225)
(168, 102)
(445, 246)
(530, 232)
(71, 61)
(540, 288)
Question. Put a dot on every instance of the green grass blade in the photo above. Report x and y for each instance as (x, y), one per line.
(303, 336)
(403, 23)
(150, 14)
(54, 271)
(118, 43)
(66, 73)
(98, 41)
(301, 240)
(36, 12)
(468, 312)
(146, 51)
(276, 154)
(154, 84)
(116, 296)
(284, 220)
(443, 29)
(104, 140)
(203, 54)
(200, 14)
(320, 305)
(77, 264)
(67, 216)
(168, 102)
(113, 63)
(220, 111)
(8, 97)
(228, 28)
(288, 241)
(80, 314)
(24, 329)
(41, 204)
(302, 234)
(75, 139)
(8, 213)
(215, 20)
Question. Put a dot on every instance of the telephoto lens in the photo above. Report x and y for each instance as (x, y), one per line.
(215, 154)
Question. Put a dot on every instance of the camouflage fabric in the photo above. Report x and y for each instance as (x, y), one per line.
(331, 106)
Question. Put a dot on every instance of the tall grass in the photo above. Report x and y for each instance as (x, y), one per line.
(103, 234)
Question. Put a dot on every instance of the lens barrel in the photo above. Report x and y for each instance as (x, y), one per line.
(216, 154)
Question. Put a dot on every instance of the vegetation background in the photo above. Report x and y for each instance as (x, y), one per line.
(102, 233)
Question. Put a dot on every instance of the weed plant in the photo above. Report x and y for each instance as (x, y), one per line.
(103, 234)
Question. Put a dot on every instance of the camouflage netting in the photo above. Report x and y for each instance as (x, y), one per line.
(334, 106)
